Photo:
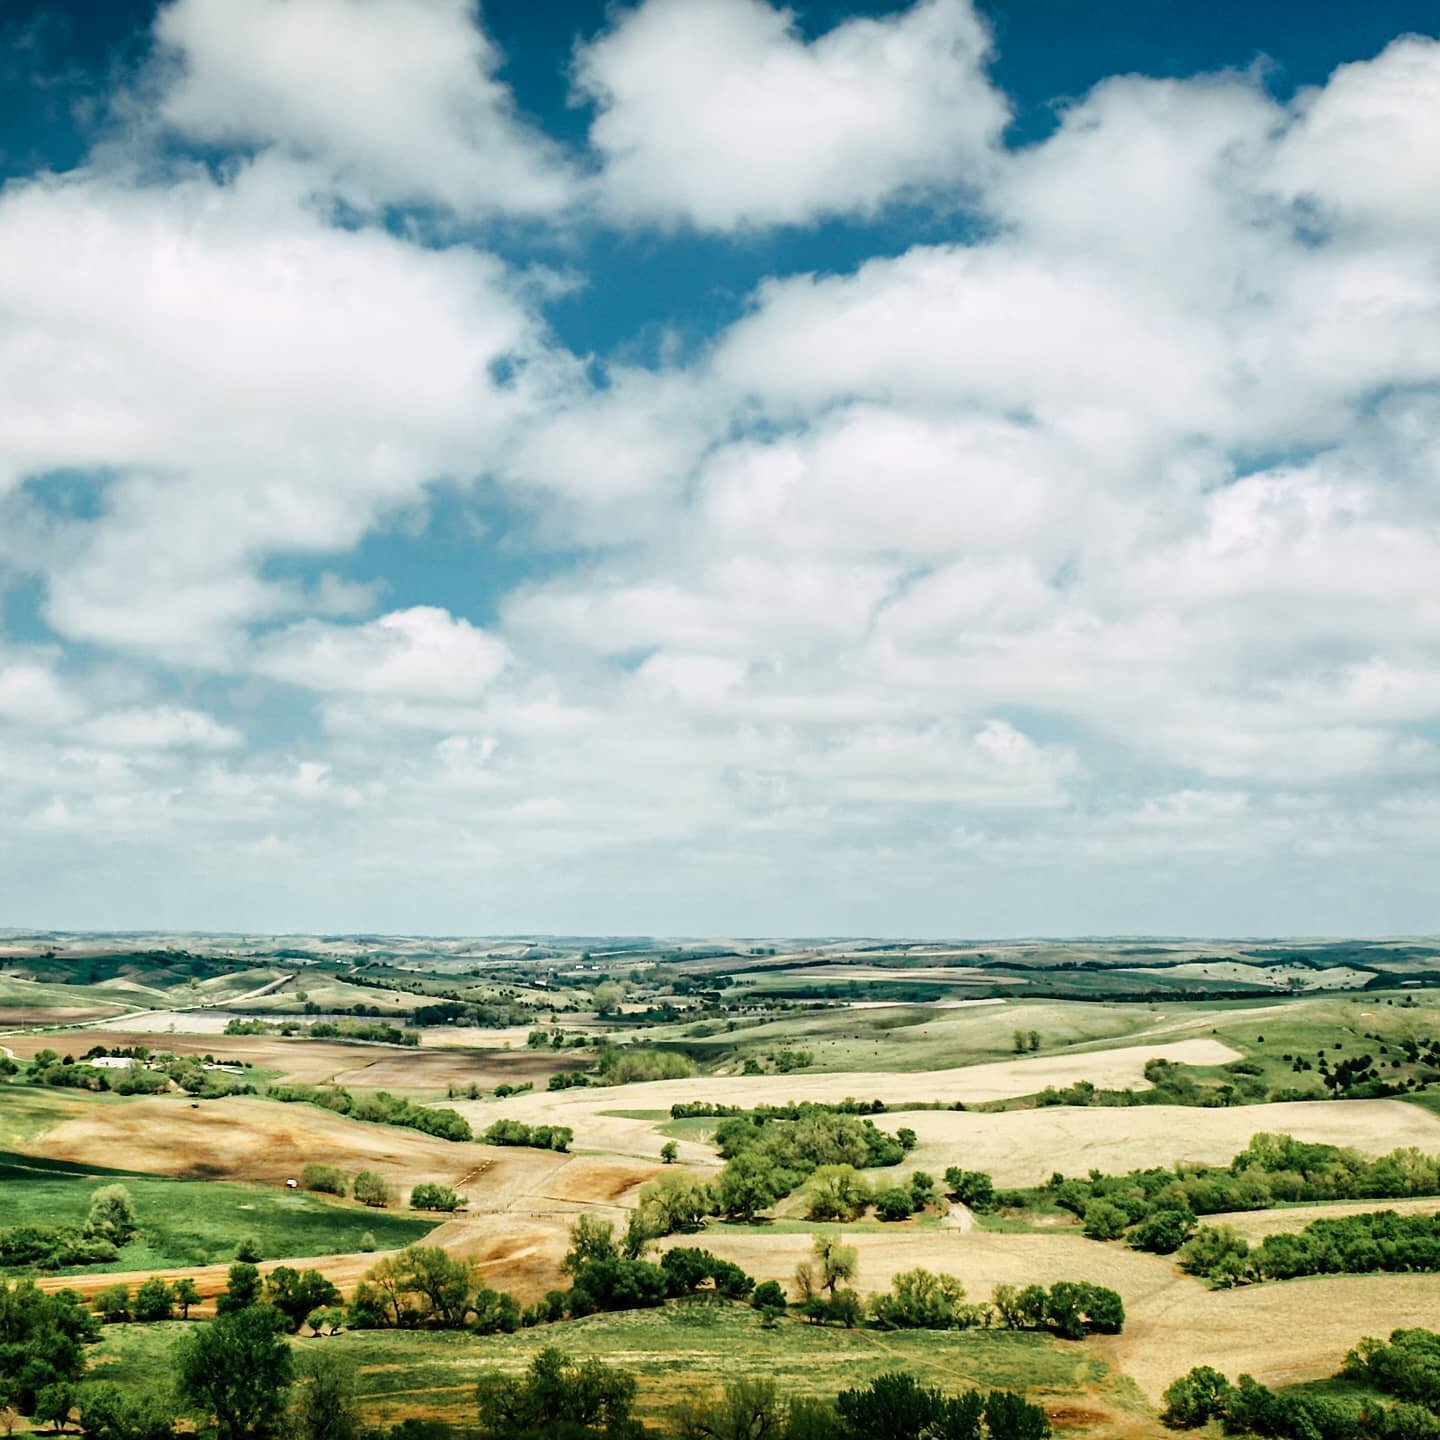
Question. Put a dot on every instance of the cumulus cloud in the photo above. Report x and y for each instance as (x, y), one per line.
(718, 114)
(423, 653)
(252, 379)
(395, 100)
(1077, 576)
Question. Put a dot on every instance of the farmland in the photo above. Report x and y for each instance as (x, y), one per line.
(1020, 1085)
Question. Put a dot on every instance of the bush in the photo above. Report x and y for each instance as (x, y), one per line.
(920, 1300)
(373, 1189)
(768, 1296)
(971, 1187)
(154, 1300)
(892, 1204)
(429, 1196)
(1162, 1232)
(328, 1179)
(1104, 1221)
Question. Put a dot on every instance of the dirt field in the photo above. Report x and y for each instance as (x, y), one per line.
(53, 1014)
(313, 1062)
(1257, 1224)
(1023, 1147)
(585, 1110)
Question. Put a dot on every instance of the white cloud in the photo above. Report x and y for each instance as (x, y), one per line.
(1363, 147)
(395, 101)
(254, 380)
(718, 114)
(162, 727)
(423, 653)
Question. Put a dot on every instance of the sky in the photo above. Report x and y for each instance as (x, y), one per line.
(698, 467)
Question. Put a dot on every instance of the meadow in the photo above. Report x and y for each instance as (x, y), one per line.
(1022, 1085)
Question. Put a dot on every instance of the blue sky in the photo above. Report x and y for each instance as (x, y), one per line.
(696, 467)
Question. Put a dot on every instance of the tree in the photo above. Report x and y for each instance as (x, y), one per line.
(154, 1300)
(428, 1196)
(1162, 1232)
(186, 1295)
(112, 1303)
(327, 1407)
(769, 1299)
(921, 1300)
(558, 1400)
(669, 1153)
(242, 1289)
(590, 1239)
(247, 1250)
(675, 1202)
(112, 1215)
(444, 1283)
(896, 1203)
(837, 1192)
(836, 1262)
(1195, 1399)
(372, 1189)
(109, 1413)
(744, 1410)
(747, 1185)
(971, 1187)
(237, 1370)
(41, 1341)
(297, 1294)
(54, 1404)
(1104, 1221)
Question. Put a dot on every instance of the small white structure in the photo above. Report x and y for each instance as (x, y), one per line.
(292, 1184)
(111, 1062)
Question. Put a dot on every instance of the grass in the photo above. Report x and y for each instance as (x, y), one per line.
(677, 1352)
(197, 1222)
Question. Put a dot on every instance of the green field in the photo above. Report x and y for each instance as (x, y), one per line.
(197, 1222)
(676, 1352)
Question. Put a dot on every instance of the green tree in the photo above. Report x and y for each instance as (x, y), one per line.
(54, 1404)
(744, 1410)
(590, 1239)
(896, 1203)
(1104, 1221)
(247, 1251)
(326, 1405)
(1195, 1399)
(921, 1300)
(669, 1153)
(112, 1304)
(837, 1192)
(373, 1189)
(42, 1339)
(747, 1185)
(428, 1196)
(297, 1294)
(109, 1413)
(675, 1202)
(112, 1215)
(186, 1295)
(154, 1300)
(558, 1400)
(237, 1371)
(242, 1290)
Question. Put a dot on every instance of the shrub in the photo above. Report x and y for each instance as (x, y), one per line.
(429, 1196)
(895, 1203)
(1104, 1221)
(1162, 1232)
(154, 1300)
(328, 1179)
(373, 1189)
(921, 1300)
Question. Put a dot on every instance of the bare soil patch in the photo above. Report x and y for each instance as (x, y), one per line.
(1023, 1147)
(314, 1062)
